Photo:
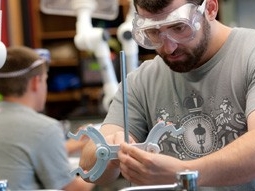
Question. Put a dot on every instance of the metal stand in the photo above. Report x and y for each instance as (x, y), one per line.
(187, 181)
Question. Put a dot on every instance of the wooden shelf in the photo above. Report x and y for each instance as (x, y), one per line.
(147, 56)
(58, 35)
(94, 93)
(64, 62)
(124, 2)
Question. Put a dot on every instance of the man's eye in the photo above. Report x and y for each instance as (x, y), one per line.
(152, 32)
(179, 28)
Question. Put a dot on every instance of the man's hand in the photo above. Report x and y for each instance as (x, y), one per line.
(145, 168)
(88, 157)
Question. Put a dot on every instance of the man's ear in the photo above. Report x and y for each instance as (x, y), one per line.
(212, 9)
(34, 83)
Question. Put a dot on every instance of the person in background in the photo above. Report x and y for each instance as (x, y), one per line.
(73, 147)
(203, 82)
(32, 145)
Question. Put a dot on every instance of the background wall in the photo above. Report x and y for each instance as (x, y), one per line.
(238, 12)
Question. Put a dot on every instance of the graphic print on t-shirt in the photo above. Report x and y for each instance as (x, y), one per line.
(202, 133)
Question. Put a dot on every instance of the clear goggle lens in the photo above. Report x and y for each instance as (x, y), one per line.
(179, 25)
(179, 33)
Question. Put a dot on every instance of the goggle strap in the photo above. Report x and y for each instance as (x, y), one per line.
(23, 71)
(201, 8)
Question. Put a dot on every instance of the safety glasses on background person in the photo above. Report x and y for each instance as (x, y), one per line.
(22, 72)
(179, 26)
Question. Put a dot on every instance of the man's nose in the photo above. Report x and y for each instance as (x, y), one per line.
(169, 45)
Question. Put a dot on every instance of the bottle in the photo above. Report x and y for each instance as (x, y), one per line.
(4, 185)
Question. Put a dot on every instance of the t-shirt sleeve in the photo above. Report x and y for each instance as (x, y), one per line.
(137, 115)
(250, 103)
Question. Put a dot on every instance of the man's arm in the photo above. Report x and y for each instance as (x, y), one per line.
(113, 135)
(78, 184)
(232, 165)
(74, 146)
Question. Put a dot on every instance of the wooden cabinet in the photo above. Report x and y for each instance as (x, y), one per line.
(56, 33)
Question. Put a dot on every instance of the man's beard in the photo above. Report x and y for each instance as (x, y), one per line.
(192, 58)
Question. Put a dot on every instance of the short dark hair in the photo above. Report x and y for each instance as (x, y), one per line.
(18, 58)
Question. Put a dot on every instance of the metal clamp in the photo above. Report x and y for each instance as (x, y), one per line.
(106, 152)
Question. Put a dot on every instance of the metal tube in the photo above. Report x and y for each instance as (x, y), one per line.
(124, 94)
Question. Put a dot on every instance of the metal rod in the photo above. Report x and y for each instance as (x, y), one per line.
(124, 94)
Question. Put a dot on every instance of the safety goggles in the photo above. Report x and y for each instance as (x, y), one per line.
(180, 26)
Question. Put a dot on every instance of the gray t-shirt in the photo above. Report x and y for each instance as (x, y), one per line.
(32, 149)
(210, 104)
